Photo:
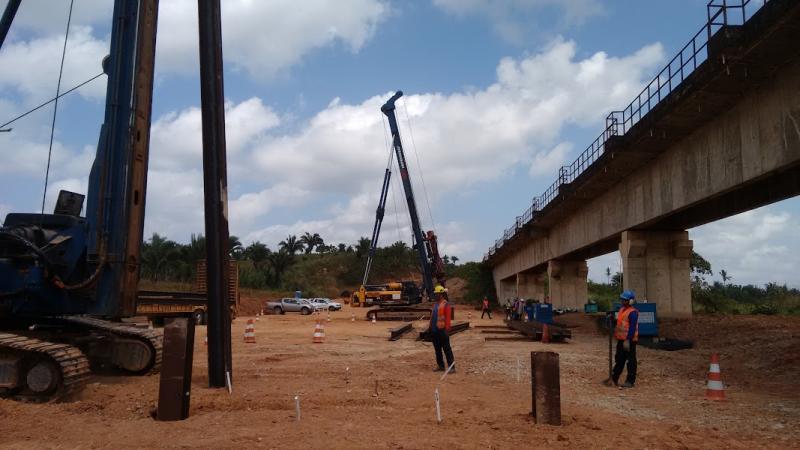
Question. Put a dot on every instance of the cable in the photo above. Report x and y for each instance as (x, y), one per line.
(55, 108)
(391, 182)
(50, 101)
(419, 165)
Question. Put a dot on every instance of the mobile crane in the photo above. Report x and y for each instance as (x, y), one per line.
(66, 280)
(396, 300)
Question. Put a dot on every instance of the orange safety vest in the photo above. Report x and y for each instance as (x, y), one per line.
(441, 315)
(485, 304)
(621, 331)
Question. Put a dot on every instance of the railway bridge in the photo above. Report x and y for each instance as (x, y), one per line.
(714, 134)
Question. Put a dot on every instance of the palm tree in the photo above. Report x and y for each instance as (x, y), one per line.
(280, 261)
(608, 275)
(725, 277)
(291, 245)
(311, 241)
(158, 257)
(258, 253)
(454, 259)
(362, 248)
(342, 248)
(235, 248)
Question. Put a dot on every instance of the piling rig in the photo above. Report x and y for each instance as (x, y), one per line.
(402, 300)
(66, 280)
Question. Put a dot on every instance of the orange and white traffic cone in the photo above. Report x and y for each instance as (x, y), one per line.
(545, 334)
(329, 316)
(205, 341)
(374, 320)
(250, 332)
(469, 315)
(715, 389)
(319, 333)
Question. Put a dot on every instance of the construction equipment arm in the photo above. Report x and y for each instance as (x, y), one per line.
(376, 229)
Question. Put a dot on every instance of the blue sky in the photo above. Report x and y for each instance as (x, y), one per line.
(499, 95)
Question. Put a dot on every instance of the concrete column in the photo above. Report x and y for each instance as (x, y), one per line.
(531, 285)
(568, 286)
(655, 266)
(506, 289)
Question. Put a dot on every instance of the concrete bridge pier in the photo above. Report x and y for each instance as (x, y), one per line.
(506, 289)
(568, 283)
(531, 285)
(655, 265)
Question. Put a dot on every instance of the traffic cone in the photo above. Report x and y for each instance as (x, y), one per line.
(329, 316)
(545, 334)
(715, 389)
(469, 315)
(352, 317)
(374, 320)
(250, 332)
(319, 333)
(205, 341)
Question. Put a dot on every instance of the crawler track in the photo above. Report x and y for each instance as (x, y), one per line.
(73, 365)
(153, 338)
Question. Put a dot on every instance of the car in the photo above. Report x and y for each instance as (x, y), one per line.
(326, 304)
(285, 305)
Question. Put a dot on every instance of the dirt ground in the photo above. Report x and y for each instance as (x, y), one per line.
(485, 404)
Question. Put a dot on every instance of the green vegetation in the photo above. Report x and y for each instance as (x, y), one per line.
(304, 263)
(722, 298)
(478, 278)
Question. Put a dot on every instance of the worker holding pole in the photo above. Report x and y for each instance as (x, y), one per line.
(627, 334)
(440, 325)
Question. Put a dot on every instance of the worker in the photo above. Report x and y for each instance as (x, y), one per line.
(440, 326)
(627, 334)
(486, 309)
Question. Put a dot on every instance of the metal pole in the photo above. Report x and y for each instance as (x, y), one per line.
(8, 17)
(215, 184)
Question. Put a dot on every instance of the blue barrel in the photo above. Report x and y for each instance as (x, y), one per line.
(544, 313)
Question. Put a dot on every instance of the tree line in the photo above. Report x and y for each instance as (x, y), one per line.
(304, 262)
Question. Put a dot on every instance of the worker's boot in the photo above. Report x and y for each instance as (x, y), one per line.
(626, 385)
(608, 382)
(438, 369)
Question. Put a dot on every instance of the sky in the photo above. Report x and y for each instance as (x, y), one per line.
(498, 95)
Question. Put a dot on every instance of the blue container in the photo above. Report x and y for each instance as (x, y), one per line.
(648, 319)
(590, 308)
(543, 313)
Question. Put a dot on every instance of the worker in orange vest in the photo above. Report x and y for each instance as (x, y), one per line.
(440, 326)
(627, 334)
(486, 309)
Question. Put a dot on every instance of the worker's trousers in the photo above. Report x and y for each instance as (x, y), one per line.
(441, 342)
(625, 356)
(486, 311)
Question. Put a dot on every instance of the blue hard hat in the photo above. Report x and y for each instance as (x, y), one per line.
(627, 295)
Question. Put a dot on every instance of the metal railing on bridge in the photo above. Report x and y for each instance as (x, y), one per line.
(720, 13)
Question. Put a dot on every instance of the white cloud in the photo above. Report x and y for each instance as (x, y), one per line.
(266, 37)
(548, 163)
(35, 65)
(754, 247)
(461, 139)
(513, 19)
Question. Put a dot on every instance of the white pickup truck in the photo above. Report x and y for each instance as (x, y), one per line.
(285, 305)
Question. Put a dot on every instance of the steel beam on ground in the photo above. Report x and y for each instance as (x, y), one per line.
(456, 327)
(545, 388)
(215, 185)
(397, 332)
(175, 384)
